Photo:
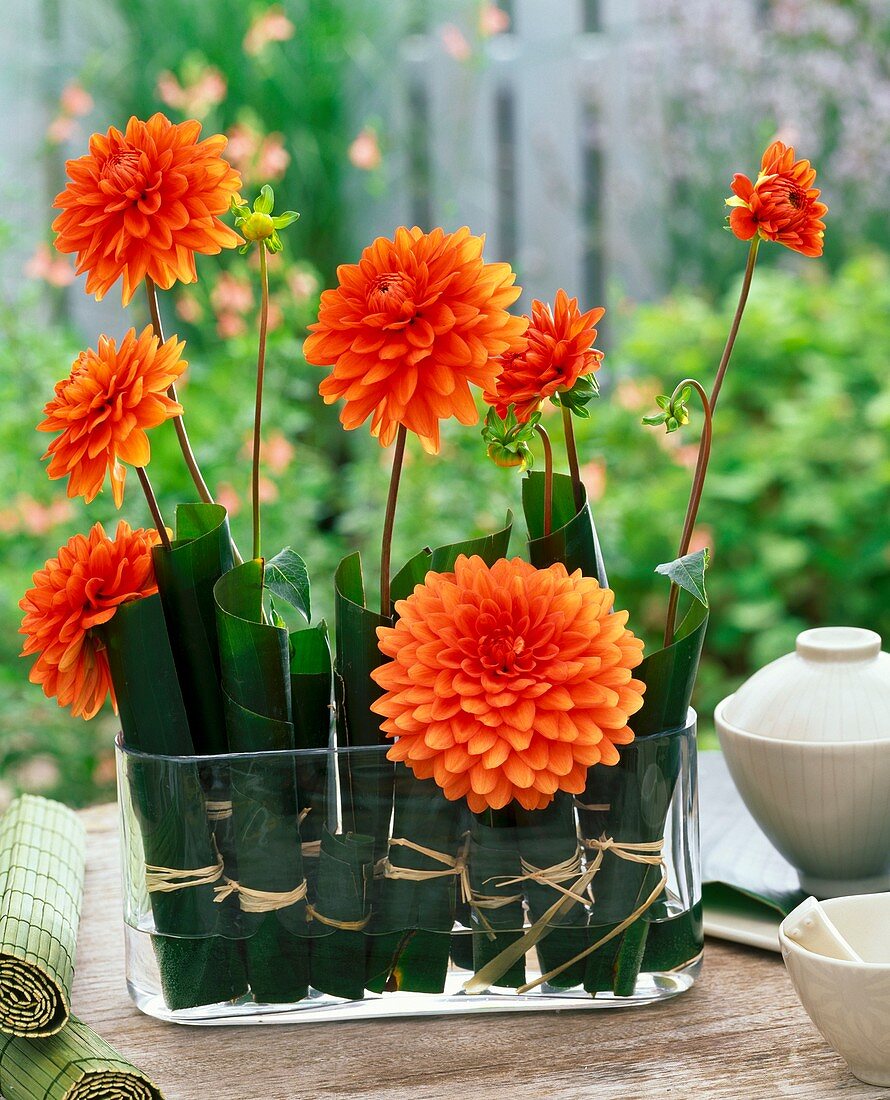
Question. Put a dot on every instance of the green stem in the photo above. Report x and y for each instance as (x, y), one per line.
(389, 522)
(178, 422)
(572, 452)
(153, 507)
(695, 495)
(258, 412)
(548, 478)
(736, 321)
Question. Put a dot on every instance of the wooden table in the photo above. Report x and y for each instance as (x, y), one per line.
(739, 1034)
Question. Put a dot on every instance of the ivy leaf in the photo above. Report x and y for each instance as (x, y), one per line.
(688, 573)
(287, 576)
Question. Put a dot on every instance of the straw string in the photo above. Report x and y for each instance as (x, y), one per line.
(260, 901)
(218, 809)
(166, 880)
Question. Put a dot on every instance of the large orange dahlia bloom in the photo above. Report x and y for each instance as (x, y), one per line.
(73, 595)
(782, 205)
(559, 350)
(409, 326)
(144, 202)
(103, 408)
(507, 682)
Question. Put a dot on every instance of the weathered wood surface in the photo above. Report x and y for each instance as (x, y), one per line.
(738, 1035)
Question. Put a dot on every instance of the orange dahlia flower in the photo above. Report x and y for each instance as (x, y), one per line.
(103, 408)
(559, 350)
(144, 202)
(507, 682)
(409, 326)
(782, 205)
(73, 595)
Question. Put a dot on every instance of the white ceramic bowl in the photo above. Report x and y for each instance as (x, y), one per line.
(825, 805)
(849, 1002)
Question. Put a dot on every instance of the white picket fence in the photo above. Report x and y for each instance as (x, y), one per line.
(543, 138)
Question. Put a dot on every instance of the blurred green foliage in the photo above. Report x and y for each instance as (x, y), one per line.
(795, 509)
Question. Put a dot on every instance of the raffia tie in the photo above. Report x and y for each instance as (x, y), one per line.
(218, 810)
(646, 852)
(344, 925)
(260, 901)
(636, 853)
(166, 880)
(452, 865)
(594, 807)
(555, 876)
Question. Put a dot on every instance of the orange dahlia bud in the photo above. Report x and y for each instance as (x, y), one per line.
(507, 682)
(144, 202)
(782, 205)
(559, 350)
(408, 328)
(103, 408)
(73, 595)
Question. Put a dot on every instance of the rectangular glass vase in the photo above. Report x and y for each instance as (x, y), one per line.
(332, 885)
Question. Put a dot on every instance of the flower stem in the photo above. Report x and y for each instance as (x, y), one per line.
(258, 413)
(548, 478)
(389, 522)
(154, 507)
(695, 495)
(736, 321)
(178, 421)
(572, 452)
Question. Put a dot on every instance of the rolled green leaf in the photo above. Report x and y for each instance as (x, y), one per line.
(197, 966)
(186, 574)
(442, 559)
(365, 783)
(270, 882)
(496, 904)
(74, 1064)
(341, 914)
(311, 682)
(42, 847)
(410, 936)
(572, 540)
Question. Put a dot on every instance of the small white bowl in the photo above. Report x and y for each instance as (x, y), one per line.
(849, 1002)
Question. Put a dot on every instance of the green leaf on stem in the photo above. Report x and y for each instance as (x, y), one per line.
(688, 573)
(287, 576)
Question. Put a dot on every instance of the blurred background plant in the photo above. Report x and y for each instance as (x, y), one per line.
(315, 99)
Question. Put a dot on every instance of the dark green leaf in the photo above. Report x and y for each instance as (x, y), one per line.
(573, 539)
(442, 559)
(287, 576)
(186, 574)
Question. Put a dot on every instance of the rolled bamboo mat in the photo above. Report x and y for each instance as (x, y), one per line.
(75, 1064)
(42, 846)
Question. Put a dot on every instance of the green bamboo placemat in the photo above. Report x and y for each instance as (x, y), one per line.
(74, 1064)
(42, 852)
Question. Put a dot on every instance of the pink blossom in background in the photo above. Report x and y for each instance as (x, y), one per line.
(702, 537)
(273, 159)
(634, 395)
(230, 325)
(244, 144)
(105, 770)
(493, 20)
(189, 308)
(686, 455)
(276, 316)
(30, 516)
(272, 25)
(60, 129)
(268, 491)
(50, 267)
(228, 498)
(196, 97)
(232, 294)
(364, 152)
(276, 452)
(75, 100)
(454, 42)
(593, 474)
(303, 284)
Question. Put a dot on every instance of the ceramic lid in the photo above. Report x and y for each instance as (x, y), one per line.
(834, 687)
